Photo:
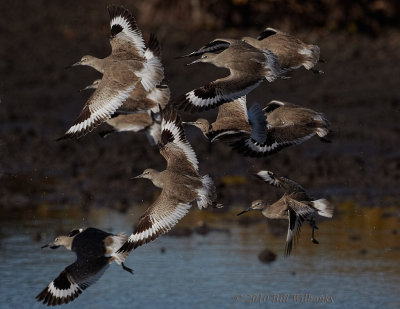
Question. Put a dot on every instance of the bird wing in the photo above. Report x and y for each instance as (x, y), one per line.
(130, 122)
(125, 34)
(277, 138)
(297, 212)
(269, 177)
(234, 109)
(174, 146)
(158, 219)
(220, 91)
(280, 182)
(232, 121)
(75, 278)
(293, 233)
(258, 124)
(214, 46)
(113, 90)
(273, 105)
(152, 73)
(266, 33)
(153, 133)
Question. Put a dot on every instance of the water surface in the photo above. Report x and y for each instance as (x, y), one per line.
(355, 264)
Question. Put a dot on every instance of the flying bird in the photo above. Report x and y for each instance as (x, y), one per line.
(234, 121)
(248, 67)
(287, 124)
(295, 205)
(180, 182)
(95, 251)
(129, 65)
(291, 52)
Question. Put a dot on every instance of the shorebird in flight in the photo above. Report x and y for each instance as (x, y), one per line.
(295, 205)
(180, 182)
(291, 52)
(95, 251)
(234, 122)
(287, 124)
(248, 67)
(129, 65)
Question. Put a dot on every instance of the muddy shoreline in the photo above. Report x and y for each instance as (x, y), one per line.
(358, 93)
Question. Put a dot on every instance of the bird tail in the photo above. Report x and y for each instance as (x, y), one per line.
(207, 193)
(322, 125)
(159, 95)
(311, 54)
(325, 209)
(118, 241)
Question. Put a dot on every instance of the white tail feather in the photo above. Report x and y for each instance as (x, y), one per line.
(325, 209)
(207, 193)
(322, 132)
(312, 56)
(118, 241)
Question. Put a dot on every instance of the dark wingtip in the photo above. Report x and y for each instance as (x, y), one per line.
(126, 247)
(154, 45)
(64, 137)
(119, 10)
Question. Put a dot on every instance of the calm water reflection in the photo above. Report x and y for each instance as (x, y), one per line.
(355, 265)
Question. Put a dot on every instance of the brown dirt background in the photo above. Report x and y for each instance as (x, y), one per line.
(359, 93)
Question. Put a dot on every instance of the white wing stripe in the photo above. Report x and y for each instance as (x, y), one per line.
(195, 100)
(134, 35)
(101, 111)
(184, 145)
(63, 293)
(160, 222)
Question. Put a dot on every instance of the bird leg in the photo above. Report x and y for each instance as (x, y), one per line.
(127, 268)
(314, 227)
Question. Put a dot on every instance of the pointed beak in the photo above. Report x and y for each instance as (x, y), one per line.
(244, 211)
(73, 65)
(188, 123)
(198, 60)
(86, 88)
(184, 56)
(51, 246)
(136, 177)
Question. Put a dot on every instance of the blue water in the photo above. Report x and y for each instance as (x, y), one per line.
(218, 270)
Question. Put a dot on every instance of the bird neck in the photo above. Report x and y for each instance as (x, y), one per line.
(158, 180)
(97, 64)
(66, 241)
